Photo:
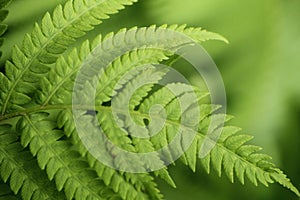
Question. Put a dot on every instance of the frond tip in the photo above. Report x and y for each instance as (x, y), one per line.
(237, 158)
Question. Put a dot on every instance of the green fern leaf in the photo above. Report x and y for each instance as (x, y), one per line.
(53, 88)
(61, 74)
(47, 130)
(3, 15)
(234, 155)
(61, 162)
(46, 42)
(129, 186)
(22, 171)
(225, 157)
(255, 166)
(155, 37)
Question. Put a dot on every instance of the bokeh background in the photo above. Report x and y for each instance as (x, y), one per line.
(260, 68)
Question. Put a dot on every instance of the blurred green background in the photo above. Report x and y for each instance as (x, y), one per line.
(260, 68)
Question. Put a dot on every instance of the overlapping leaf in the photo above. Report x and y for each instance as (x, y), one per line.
(20, 169)
(47, 41)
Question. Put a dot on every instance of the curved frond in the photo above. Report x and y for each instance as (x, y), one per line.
(43, 151)
(231, 153)
(57, 90)
(46, 42)
(235, 157)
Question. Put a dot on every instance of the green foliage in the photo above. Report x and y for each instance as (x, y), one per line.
(42, 155)
(3, 15)
(6, 193)
(47, 41)
(20, 167)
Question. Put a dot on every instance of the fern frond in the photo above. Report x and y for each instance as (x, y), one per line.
(237, 158)
(230, 153)
(45, 43)
(128, 185)
(60, 160)
(46, 125)
(65, 70)
(21, 170)
(57, 88)
(3, 15)
(60, 76)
